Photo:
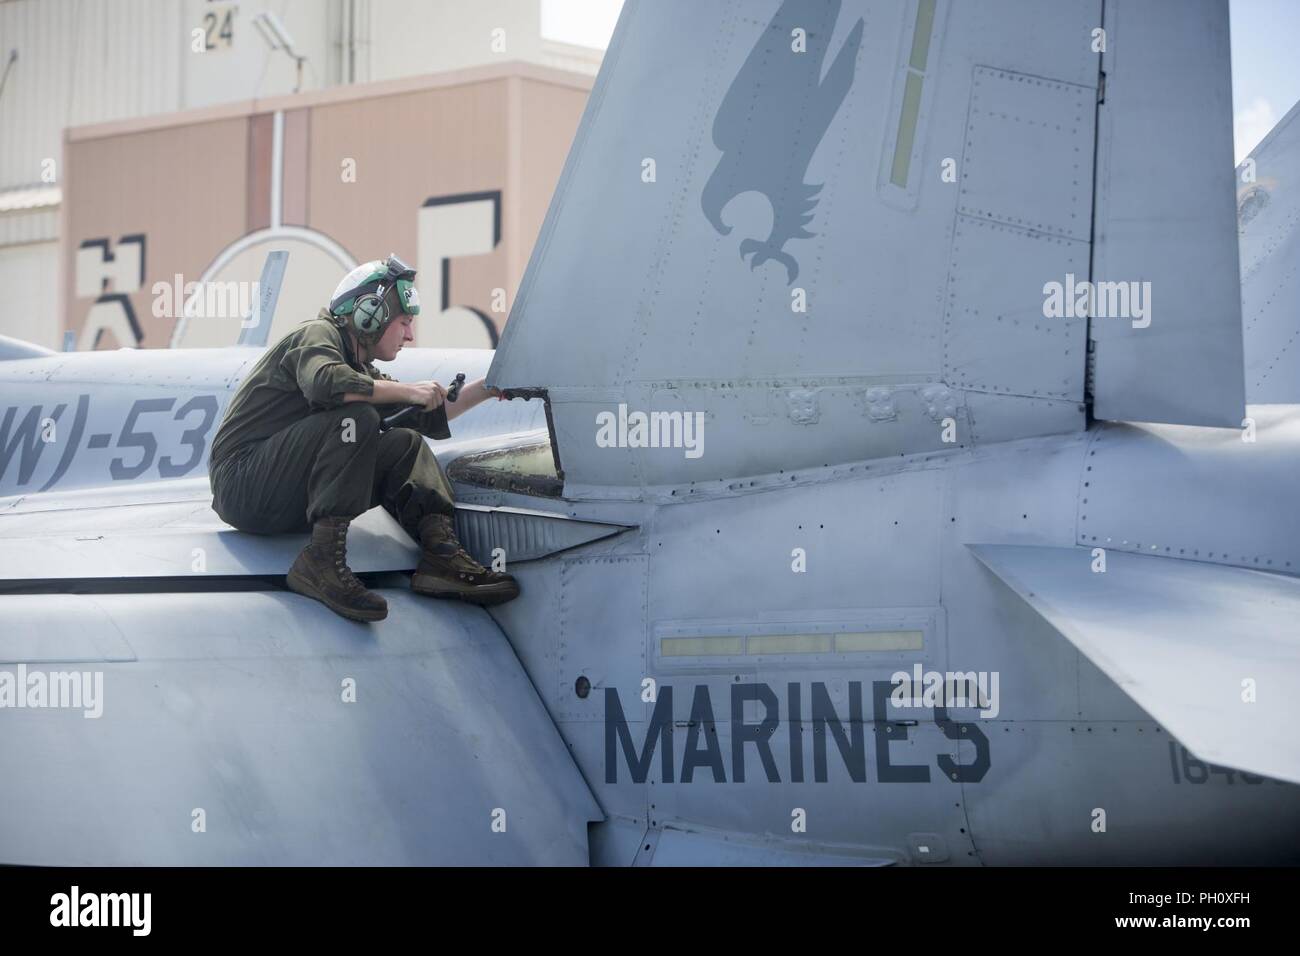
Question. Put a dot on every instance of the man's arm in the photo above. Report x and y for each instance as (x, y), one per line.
(389, 392)
(317, 366)
(326, 380)
(470, 395)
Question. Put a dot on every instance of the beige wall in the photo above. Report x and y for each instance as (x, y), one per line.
(200, 187)
(409, 149)
(181, 188)
(549, 116)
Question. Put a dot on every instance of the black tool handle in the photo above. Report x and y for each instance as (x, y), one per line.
(397, 418)
(453, 393)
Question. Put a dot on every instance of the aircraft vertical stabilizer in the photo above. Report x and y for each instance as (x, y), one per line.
(1268, 213)
(825, 232)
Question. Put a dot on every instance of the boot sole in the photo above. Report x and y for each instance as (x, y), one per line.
(481, 596)
(307, 589)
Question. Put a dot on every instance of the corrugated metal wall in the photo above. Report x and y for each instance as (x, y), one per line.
(91, 61)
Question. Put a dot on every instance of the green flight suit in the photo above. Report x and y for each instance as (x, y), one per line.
(290, 451)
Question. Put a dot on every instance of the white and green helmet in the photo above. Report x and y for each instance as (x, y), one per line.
(373, 294)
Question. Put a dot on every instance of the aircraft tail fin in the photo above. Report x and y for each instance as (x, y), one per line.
(1268, 213)
(12, 348)
(256, 328)
(826, 232)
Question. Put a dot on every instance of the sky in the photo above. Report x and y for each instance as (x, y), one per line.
(585, 22)
(1265, 55)
(1265, 67)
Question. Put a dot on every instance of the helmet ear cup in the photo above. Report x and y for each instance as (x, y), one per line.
(369, 313)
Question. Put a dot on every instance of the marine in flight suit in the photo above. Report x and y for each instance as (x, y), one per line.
(300, 448)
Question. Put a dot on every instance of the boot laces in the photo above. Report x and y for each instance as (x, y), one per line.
(344, 572)
(445, 537)
(463, 559)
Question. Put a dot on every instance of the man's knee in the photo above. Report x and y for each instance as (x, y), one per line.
(354, 425)
(402, 448)
(358, 422)
(408, 439)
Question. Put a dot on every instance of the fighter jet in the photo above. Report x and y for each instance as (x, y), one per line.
(946, 536)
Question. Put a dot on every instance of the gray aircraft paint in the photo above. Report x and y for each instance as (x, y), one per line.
(824, 435)
(806, 412)
(1171, 224)
(1221, 626)
(232, 703)
(891, 544)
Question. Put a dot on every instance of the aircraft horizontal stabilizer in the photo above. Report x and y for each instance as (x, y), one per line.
(1212, 653)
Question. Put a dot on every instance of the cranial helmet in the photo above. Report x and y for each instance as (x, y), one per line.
(372, 295)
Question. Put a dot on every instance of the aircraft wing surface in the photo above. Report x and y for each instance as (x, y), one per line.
(166, 529)
(303, 739)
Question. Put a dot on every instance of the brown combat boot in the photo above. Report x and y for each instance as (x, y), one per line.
(446, 571)
(321, 571)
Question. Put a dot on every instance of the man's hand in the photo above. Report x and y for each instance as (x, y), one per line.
(428, 394)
